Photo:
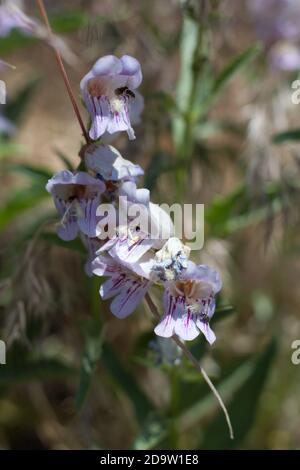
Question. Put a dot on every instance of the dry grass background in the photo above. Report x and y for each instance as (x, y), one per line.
(41, 414)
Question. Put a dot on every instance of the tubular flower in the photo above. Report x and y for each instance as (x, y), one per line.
(108, 92)
(92, 245)
(137, 236)
(106, 161)
(190, 304)
(128, 245)
(6, 126)
(128, 284)
(171, 260)
(129, 240)
(277, 25)
(76, 197)
(11, 17)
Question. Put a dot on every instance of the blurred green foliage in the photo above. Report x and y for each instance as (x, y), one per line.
(189, 416)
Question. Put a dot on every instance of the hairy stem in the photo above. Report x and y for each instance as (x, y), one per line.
(43, 12)
(197, 365)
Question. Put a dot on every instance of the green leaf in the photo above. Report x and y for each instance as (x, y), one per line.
(243, 405)
(90, 358)
(198, 403)
(33, 369)
(188, 45)
(34, 224)
(221, 208)
(65, 160)
(70, 20)
(209, 128)
(140, 402)
(292, 135)
(15, 41)
(230, 70)
(153, 432)
(15, 108)
(204, 404)
(64, 22)
(21, 201)
(235, 211)
(162, 101)
(223, 311)
(235, 66)
(75, 245)
(7, 149)
(159, 164)
(38, 174)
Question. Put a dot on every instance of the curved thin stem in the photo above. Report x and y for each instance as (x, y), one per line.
(197, 365)
(41, 6)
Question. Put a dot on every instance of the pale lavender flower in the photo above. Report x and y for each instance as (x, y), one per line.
(107, 161)
(129, 244)
(129, 193)
(4, 65)
(165, 351)
(108, 92)
(285, 56)
(136, 236)
(12, 17)
(6, 126)
(92, 245)
(127, 283)
(275, 19)
(189, 304)
(135, 112)
(76, 197)
(277, 24)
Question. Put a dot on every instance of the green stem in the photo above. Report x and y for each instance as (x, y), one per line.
(44, 15)
(174, 409)
(186, 148)
(196, 364)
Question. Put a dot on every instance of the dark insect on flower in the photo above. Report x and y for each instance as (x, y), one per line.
(124, 90)
(204, 317)
(107, 92)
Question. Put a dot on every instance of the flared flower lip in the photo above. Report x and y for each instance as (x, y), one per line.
(66, 177)
(188, 314)
(12, 17)
(109, 163)
(179, 319)
(126, 284)
(204, 273)
(107, 92)
(127, 68)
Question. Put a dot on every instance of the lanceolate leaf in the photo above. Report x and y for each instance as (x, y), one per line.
(65, 160)
(33, 172)
(243, 405)
(90, 359)
(15, 108)
(292, 135)
(21, 201)
(140, 402)
(34, 369)
(238, 62)
(63, 22)
(235, 211)
(189, 41)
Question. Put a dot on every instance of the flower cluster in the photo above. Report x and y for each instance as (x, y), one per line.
(277, 25)
(140, 251)
(12, 16)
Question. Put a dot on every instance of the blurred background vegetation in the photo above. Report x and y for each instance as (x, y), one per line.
(218, 128)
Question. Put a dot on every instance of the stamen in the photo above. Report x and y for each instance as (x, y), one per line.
(70, 207)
